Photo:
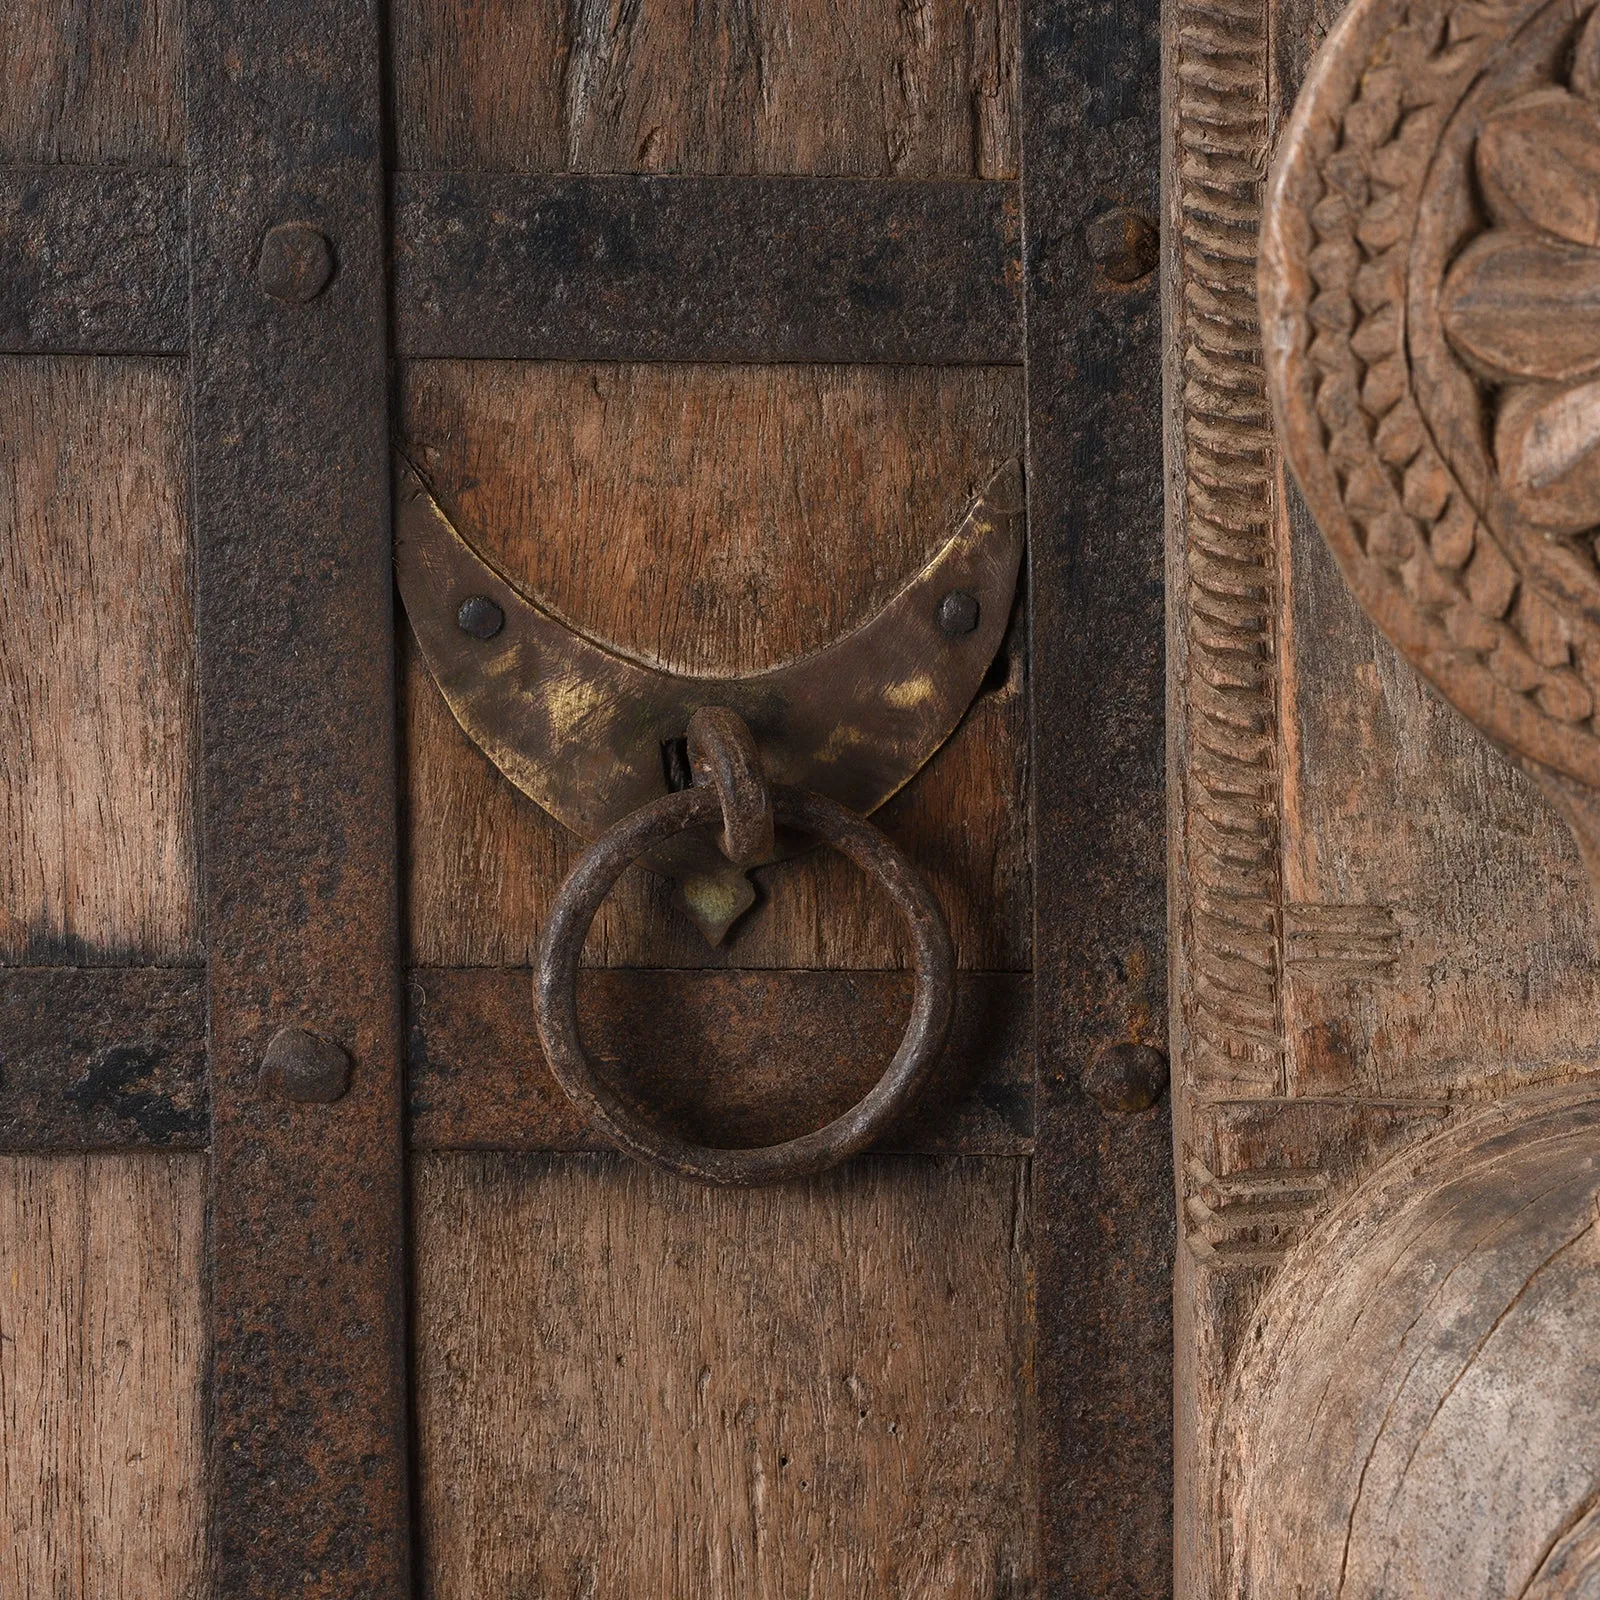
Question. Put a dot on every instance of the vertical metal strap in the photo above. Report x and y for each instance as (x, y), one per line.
(1102, 1178)
(291, 510)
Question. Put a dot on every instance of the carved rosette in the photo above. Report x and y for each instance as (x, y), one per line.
(1430, 297)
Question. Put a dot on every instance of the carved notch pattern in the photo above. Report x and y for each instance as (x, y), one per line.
(1231, 837)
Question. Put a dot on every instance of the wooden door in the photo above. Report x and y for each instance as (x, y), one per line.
(704, 324)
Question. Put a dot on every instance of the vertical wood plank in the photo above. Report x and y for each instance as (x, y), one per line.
(806, 86)
(143, 1346)
(629, 1385)
(100, 1359)
(97, 835)
(87, 82)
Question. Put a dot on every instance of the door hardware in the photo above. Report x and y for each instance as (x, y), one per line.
(587, 733)
(731, 787)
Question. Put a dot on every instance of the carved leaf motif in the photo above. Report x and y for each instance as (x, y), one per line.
(1586, 61)
(1545, 444)
(1522, 306)
(1539, 164)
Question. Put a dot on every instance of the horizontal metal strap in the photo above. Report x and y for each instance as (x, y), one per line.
(94, 260)
(707, 269)
(113, 1058)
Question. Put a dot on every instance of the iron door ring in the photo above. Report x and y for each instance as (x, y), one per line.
(628, 1127)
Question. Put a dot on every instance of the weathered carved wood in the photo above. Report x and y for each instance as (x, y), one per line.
(1429, 278)
(1378, 925)
(1416, 1409)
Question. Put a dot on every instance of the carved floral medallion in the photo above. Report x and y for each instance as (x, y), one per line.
(1430, 291)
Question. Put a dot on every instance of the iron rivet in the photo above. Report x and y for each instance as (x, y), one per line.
(296, 262)
(1124, 244)
(958, 612)
(480, 617)
(303, 1066)
(1126, 1078)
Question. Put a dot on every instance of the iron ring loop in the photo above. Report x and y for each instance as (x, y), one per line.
(722, 752)
(611, 1110)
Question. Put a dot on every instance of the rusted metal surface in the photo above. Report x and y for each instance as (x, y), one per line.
(715, 1052)
(304, 1067)
(582, 731)
(705, 269)
(113, 1058)
(307, 1402)
(615, 1108)
(580, 268)
(1102, 1184)
(296, 262)
(93, 260)
(1126, 1078)
(102, 1058)
(722, 753)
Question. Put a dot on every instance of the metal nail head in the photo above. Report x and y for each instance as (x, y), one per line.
(304, 1067)
(296, 262)
(1126, 1078)
(1124, 244)
(480, 617)
(958, 612)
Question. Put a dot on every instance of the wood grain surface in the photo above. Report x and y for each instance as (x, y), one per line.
(856, 89)
(630, 1385)
(1381, 922)
(717, 520)
(97, 839)
(1414, 1410)
(86, 82)
(821, 1391)
(100, 1362)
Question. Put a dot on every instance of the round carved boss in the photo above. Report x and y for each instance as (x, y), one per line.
(1416, 1406)
(1430, 296)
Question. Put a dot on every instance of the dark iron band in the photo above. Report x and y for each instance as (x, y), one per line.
(94, 261)
(1102, 1184)
(114, 1058)
(306, 1403)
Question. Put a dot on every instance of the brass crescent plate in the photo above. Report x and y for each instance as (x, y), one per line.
(582, 730)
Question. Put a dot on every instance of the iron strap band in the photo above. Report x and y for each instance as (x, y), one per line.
(577, 268)
(290, 498)
(1104, 1235)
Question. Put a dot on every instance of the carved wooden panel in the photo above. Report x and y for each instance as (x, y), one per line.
(1381, 926)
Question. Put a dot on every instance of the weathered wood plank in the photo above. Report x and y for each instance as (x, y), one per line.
(1381, 921)
(88, 83)
(856, 89)
(97, 837)
(631, 1385)
(100, 1363)
(719, 520)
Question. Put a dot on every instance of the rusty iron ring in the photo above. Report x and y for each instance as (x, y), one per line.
(722, 752)
(627, 1125)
